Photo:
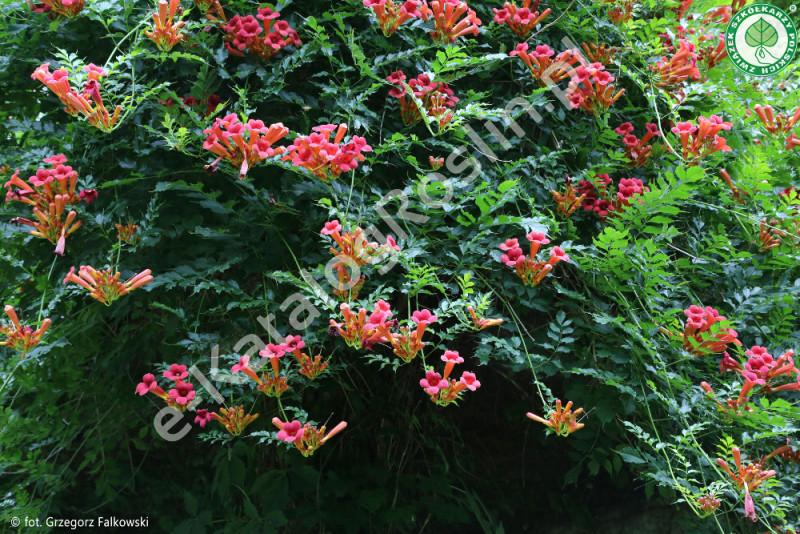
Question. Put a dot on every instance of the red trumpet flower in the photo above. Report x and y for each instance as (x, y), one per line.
(545, 70)
(521, 20)
(89, 103)
(244, 33)
(391, 16)
(531, 271)
(243, 144)
(325, 159)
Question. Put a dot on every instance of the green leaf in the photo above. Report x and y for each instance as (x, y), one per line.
(761, 33)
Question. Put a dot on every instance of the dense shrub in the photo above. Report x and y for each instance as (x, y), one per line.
(313, 213)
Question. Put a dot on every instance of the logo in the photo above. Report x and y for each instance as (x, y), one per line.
(761, 39)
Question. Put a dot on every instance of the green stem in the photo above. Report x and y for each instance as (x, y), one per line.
(41, 302)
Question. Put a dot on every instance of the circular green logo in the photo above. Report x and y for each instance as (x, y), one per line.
(761, 39)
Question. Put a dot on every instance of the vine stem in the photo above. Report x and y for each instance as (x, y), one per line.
(44, 293)
(283, 412)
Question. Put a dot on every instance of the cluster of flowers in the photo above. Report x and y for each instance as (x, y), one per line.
(621, 11)
(325, 159)
(244, 33)
(354, 251)
(531, 271)
(451, 19)
(598, 199)
(748, 477)
(444, 390)
(545, 68)
(105, 285)
(704, 138)
(89, 103)
(276, 385)
(562, 421)
(306, 437)
(391, 15)
(49, 192)
(212, 10)
(779, 124)
(436, 97)
(590, 88)
(711, 49)
(61, 8)
(681, 67)
(637, 151)
(126, 233)
(180, 396)
(708, 503)
(243, 144)
(761, 369)
(234, 419)
(721, 14)
(568, 201)
(769, 235)
(363, 330)
(21, 338)
(705, 331)
(739, 195)
(166, 33)
(211, 103)
(521, 20)
(599, 53)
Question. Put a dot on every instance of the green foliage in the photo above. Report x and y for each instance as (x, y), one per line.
(233, 258)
